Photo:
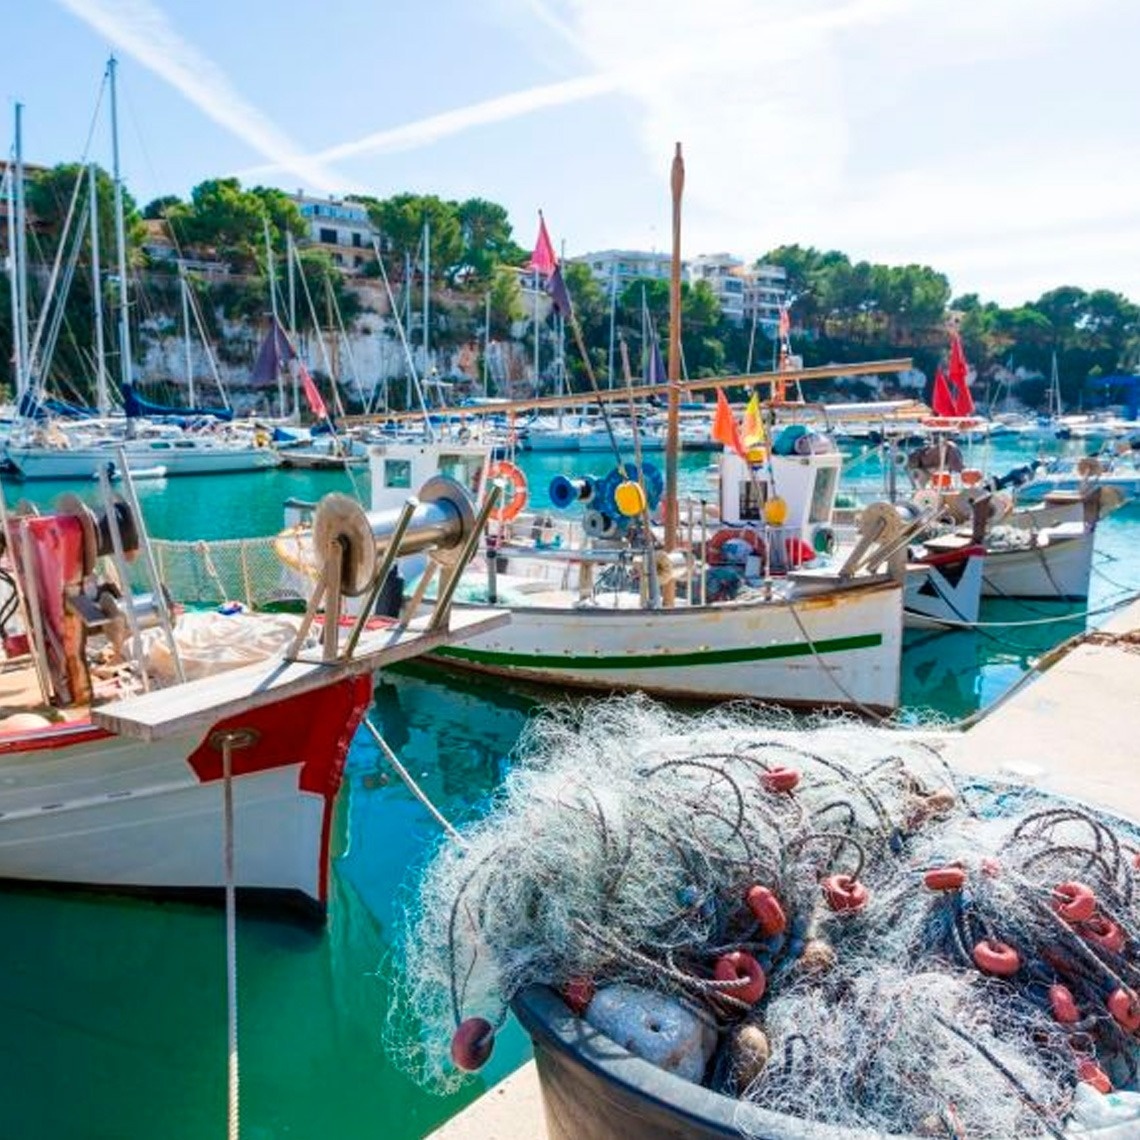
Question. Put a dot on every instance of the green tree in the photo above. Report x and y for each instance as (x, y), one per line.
(156, 208)
(486, 232)
(401, 219)
(506, 302)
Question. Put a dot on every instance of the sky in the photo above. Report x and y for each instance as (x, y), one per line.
(995, 140)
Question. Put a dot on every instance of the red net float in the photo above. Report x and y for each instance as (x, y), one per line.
(1090, 1073)
(945, 878)
(845, 893)
(741, 967)
(472, 1043)
(767, 911)
(578, 993)
(1103, 932)
(996, 958)
(1125, 1009)
(780, 779)
(1074, 902)
(1063, 1005)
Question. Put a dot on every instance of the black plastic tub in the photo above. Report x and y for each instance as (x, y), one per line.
(593, 1089)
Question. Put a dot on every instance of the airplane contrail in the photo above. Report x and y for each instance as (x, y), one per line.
(141, 30)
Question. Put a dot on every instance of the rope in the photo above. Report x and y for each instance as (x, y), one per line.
(233, 1082)
(412, 786)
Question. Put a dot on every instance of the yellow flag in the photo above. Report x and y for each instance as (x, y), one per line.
(754, 435)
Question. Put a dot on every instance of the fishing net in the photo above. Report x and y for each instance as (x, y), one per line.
(917, 957)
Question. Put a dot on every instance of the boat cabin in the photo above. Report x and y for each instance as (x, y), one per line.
(398, 468)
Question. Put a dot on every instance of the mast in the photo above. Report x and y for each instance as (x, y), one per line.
(102, 400)
(487, 345)
(534, 284)
(13, 288)
(613, 316)
(290, 255)
(271, 271)
(426, 373)
(408, 322)
(126, 375)
(20, 300)
(673, 430)
(185, 290)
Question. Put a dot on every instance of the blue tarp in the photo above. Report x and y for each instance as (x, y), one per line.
(136, 405)
(1127, 383)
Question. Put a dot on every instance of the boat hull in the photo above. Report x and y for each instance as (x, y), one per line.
(1053, 567)
(753, 650)
(83, 807)
(945, 591)
(87, 462)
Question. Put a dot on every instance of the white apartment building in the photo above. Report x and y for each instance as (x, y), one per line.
(744, 294)
(616, 268)
(342, 229)
(765, 293)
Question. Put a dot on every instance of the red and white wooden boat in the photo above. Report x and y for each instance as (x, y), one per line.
(129, 793)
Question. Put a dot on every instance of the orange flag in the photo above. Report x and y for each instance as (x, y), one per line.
(724, 426)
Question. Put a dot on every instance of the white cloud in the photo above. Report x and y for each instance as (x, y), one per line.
(140, 29)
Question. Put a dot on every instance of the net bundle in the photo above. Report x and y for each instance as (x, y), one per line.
(901, 953)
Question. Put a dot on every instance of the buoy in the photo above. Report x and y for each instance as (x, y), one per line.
(1103, 932)
(798, 552)
(472, 1043)
(945, 878)
(1125, 1009)
(776, 511)
(578, 993)
(766, 909)
(629, 499)
(739, 966)
(845, 893)
(1090, 1073)
(780, 779)
(750, 1052)
(1063, 1005)
(514, 491)
(1074, 902)
(996, 958)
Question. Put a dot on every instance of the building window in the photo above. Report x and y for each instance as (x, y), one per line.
(356, 242)
(328, 236)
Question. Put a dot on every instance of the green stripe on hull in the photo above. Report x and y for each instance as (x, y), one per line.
(658, 660)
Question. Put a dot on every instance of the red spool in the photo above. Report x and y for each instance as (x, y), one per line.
(1125, 1009)
(945, 878)
(741, 967)
(767, 911)
(471, 1044)
(780, 779)
(1063, 1005)
(845, 893)
(578, 993)
(1090, 1073)
(1103, 932)
(1074, 902)
(996, 958)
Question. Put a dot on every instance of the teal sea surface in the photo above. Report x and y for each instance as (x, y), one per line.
(113, 1011)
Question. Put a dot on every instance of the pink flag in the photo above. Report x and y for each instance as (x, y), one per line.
(312, 394)
(543, 259)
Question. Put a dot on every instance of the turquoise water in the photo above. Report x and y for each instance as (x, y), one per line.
(112, 1012)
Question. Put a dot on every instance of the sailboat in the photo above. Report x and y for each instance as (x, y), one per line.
(42, 448)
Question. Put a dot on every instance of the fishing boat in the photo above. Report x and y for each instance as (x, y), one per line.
(139, 744)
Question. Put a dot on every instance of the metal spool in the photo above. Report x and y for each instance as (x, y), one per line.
(565, 492)
(598, 525)
(97, 540)
(442, 520)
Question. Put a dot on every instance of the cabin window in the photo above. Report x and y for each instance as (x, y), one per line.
(159, 445)
(753, 495)
(823, 494)
(397, 473)
(464, 469)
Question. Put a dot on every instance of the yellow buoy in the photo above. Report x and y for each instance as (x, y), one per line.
(776, 511)
(629, 498)
(757, 455)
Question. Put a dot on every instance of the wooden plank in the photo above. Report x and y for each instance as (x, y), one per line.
(198, 704)
(610, 395)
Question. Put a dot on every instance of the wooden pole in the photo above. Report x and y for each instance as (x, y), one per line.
(673, 428)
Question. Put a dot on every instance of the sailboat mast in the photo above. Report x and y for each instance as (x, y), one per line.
(184, 288)
(290, 257)
(20, 295)
(613, 317)
(13, 288)
(487, 345)
(426, 371)
(126, 375)
(102, 400)
(271, 272)
(673, 429)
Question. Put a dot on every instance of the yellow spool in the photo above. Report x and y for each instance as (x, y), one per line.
(776, 511)
(629, 499)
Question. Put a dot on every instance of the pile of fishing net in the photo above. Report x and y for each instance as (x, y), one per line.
(820, 920)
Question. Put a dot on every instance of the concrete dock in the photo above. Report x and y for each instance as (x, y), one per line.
(1074, 729)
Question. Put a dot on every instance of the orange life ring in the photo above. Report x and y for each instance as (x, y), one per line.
(713, 552)
(516, 495)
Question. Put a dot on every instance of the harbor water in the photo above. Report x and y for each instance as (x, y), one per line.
(112, 1011)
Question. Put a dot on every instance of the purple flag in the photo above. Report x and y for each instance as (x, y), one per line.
(275, 351)
(559, 295)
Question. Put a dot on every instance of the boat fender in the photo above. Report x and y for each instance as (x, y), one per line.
(844, 893)
(514, 491)
(996, 958)
(780, 779)
(655, 1027)
(798, 552)
(766, 909)
(1103, 932)
(1063, 1005)
(472, 1043)
(1125, 1009)
(741, 968)
(823, 541)
(1074, 902)
(945, 878)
